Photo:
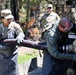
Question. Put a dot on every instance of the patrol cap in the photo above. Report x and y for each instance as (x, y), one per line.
(49, 5)
(6, 13)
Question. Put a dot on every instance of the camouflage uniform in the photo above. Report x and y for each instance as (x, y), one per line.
(47, 20)
(8, 54)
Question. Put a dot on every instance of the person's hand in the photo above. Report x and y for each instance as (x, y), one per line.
(20, 38)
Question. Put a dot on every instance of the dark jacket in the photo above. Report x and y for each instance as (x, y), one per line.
(52, 38)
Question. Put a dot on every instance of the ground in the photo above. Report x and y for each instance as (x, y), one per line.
(23, 71)
(23, 50)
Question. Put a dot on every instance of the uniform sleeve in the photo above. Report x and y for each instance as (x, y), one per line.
(40, 17)
(58, 18)
(18, 29)
(53, 49)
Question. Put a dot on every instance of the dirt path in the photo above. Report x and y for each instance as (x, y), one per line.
(23, 50)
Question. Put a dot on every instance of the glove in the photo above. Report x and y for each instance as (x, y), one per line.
(20, 38)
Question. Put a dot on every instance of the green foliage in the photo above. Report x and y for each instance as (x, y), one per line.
(25, 57)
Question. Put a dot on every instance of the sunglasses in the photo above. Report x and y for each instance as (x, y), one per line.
(65, 28)
(49, 8)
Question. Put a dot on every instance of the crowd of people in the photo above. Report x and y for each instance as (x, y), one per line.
(55, 32)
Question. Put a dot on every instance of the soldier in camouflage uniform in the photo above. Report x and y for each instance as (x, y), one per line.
(47, 21)
(48, 18)
(8, 54)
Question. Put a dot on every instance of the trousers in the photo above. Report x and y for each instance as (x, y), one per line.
(9, 62)
(53, 66)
